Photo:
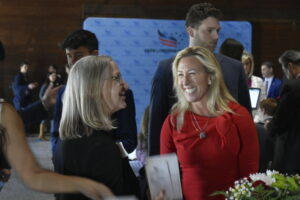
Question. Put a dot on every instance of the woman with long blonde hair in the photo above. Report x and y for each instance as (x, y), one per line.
(213, 136)
(254, 82)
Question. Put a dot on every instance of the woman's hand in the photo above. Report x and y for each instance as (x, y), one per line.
(93, 189)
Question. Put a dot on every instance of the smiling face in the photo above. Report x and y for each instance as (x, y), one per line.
(114, 90)
(206, 34)
(266, 72)
(193, 80)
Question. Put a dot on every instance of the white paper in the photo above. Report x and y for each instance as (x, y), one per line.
(163, 174)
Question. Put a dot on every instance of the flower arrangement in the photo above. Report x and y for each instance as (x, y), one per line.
(264, 186)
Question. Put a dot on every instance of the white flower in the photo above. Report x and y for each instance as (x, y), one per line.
(268, 180)
(271, 172)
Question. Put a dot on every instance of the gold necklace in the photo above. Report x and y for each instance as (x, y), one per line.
(202, 134)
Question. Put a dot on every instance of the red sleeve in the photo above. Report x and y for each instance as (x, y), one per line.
(166, 137)
(249, 151)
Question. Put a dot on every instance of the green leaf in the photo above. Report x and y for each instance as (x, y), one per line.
(292, 185)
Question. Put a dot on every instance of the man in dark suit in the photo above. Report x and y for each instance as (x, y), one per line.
(285, 126)
(22, 89)
(77, 45)
(202, 25)
(272, 84)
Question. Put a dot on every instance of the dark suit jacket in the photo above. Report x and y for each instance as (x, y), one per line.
(125, 119)
(275, 88)
(286, 125)
(163, 97)
(21, 91)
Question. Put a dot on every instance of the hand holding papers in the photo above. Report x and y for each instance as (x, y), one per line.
(163, 174)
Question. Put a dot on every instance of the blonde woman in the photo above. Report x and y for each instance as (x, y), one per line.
(213, 136)
(95, 91)
(254, 82)
(13, 144)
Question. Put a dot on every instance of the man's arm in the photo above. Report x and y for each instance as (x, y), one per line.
(162, 99)
(126, 131)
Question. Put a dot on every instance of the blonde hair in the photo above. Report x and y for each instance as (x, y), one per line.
(218, 98)
(248, 56)
(84, 107)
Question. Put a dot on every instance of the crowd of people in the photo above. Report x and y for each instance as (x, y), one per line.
(199, 109)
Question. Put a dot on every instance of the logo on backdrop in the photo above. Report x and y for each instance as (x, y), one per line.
(166, 40)
(170, 42)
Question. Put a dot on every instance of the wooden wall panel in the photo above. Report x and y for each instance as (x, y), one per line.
(33, 29)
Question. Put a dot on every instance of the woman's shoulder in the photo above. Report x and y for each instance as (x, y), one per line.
(237, 108)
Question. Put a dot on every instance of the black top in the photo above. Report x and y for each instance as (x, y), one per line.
(96, 157)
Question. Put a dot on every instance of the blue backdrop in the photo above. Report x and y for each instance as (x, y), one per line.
(137, 45)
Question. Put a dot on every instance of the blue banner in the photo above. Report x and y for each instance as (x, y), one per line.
(137, 46)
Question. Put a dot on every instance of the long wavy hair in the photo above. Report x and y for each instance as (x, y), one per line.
(218, 94)
(84, 107)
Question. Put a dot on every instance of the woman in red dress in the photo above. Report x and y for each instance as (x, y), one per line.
(213, 136)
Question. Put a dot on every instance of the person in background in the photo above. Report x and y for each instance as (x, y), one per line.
(268, 107)
(51, 80)
(15, 148)
(88, 146)
(53, 69)
(213, 136)
(272, 84)
(79, 44)
(203, 26)
(232, 48)
(254, 82)
(22, 89)
(285, 127)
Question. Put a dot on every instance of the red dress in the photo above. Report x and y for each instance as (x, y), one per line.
(229, 151)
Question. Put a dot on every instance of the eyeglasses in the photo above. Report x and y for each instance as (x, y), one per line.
(118, 78)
